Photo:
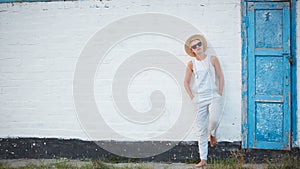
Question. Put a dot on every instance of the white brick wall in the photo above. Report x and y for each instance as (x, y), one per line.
(40, 44)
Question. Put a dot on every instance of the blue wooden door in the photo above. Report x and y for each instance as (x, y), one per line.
(269, 82)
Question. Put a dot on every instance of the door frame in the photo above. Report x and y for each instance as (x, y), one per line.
(244, 36)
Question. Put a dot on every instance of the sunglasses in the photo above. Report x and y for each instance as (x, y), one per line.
(195, 46)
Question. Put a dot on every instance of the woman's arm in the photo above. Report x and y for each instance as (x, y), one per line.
(188, 74)
(219, 73)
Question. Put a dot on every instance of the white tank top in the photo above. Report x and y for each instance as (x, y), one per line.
(205, 82)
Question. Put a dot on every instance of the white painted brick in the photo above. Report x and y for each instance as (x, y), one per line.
(10, 62)
(40, 44)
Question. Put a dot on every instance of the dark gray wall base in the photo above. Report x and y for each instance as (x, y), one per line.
(53, 148)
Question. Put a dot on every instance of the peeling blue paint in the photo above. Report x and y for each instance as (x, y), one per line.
(266, 75)
(269, 122)
(269, 73)
(294, 76)
(244, 26)
(268, 30)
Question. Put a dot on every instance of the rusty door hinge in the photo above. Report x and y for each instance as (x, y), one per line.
(291, 60)
(289, 57)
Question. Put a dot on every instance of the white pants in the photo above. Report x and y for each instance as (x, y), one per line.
(209, 112)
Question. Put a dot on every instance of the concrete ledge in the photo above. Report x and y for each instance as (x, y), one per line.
(20, 1)
(54, 148)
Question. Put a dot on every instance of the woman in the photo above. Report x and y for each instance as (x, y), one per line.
(207, 96)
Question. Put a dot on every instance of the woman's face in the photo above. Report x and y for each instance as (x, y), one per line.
(196, 46)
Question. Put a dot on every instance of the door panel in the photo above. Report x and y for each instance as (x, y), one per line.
(269, 73)
(269, 121)
(269, 115)
(268, 27)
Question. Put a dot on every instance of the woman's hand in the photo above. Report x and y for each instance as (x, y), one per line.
(192, 97)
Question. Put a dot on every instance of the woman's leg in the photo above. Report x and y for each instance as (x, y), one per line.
(215, 114)
(202, 126)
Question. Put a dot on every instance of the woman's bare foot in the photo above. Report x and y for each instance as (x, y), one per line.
(213, 141)
(202, 163)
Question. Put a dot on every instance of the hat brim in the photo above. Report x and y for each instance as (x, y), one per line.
(187, 47)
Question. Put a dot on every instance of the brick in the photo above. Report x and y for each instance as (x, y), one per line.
(41, 42)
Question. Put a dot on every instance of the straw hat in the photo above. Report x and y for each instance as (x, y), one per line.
(187, 47)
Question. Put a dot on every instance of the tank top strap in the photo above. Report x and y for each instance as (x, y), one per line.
(194, 67)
